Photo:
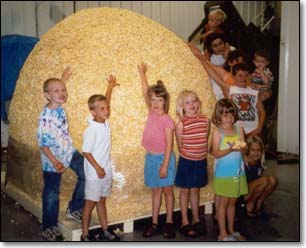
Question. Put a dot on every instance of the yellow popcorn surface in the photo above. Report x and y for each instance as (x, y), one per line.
(96, 43)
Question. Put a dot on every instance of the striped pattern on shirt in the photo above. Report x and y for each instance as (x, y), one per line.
(194, 138)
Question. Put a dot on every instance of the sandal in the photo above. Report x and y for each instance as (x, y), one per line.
(169, 232)
(188, 231)
(200, 228)
(150, 231)
(251, 214)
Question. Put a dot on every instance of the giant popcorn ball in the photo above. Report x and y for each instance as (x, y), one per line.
(96, 43)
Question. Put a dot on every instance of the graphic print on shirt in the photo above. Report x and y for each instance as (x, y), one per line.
(245, 104)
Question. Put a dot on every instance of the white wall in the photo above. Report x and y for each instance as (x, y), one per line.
(34, 18)
(288, 131)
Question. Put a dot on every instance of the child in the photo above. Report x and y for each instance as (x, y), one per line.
(262, 77)
(192, 132)
(215, 19)
(57, 153)
(260, 187)
(251, 112)
(229, 176)
(159, 171)
(97, 164)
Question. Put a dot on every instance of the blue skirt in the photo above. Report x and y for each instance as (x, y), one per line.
(153, 163)
(191, 174)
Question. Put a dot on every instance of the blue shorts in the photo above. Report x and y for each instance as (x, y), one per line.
(153, 163)
(191, 174)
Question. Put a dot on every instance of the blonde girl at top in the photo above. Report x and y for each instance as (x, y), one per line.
(192, 132)
(229, 181)
(158, 135)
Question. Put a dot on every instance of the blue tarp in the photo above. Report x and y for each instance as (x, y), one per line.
(14, 51)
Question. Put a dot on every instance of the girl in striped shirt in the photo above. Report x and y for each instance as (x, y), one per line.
(192, 132)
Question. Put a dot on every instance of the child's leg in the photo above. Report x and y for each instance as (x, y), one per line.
(169, 198)
(221, 214)
(217, 203)
(194, 199)
(86, 215)
(184, 199)
(50, 199)
(77, 165)
(256, 188)
(156, 202)
(272, 183)
(101, 211)
(230, 214)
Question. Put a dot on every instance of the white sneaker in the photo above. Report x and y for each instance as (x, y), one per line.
(74, 215)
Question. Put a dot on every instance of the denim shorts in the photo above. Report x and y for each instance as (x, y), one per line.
(153, 163)
(191, 174)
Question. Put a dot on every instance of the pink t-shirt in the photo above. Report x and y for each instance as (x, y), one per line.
(154, 134)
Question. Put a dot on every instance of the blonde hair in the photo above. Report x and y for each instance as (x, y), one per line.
(159, 90)
(180, 102)
(50, 81)
(95, 98)
(256, 140)
(220, 14)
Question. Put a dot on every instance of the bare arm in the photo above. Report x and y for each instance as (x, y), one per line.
(261, 119)
(57, 164)
(216, 152)
(142, 69)
(112, 82)
(218, 74)
(265, 77)
(169, 146)
(100, 171)
(178, 134)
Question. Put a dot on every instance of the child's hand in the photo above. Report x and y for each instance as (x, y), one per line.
(100, 172)
(163, 171)
(60, 168)
(112, 81)
(142, 69)
(66, 74)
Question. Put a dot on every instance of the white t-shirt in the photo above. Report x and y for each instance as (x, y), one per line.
(246, 101)
(219, 61)
(97, 141)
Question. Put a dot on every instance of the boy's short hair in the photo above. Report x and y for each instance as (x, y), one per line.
(220, 14)
(233, 55)
(222, 106)
(160, 90)
(262, 53)
(240, 67)
(50, 81)
(95, 98)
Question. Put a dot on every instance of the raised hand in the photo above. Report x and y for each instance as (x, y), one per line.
(112, 81)
(66, 73)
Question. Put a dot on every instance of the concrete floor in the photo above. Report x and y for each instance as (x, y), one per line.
(282, 222)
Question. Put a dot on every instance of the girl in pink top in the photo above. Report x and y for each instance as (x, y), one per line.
(159, 171)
